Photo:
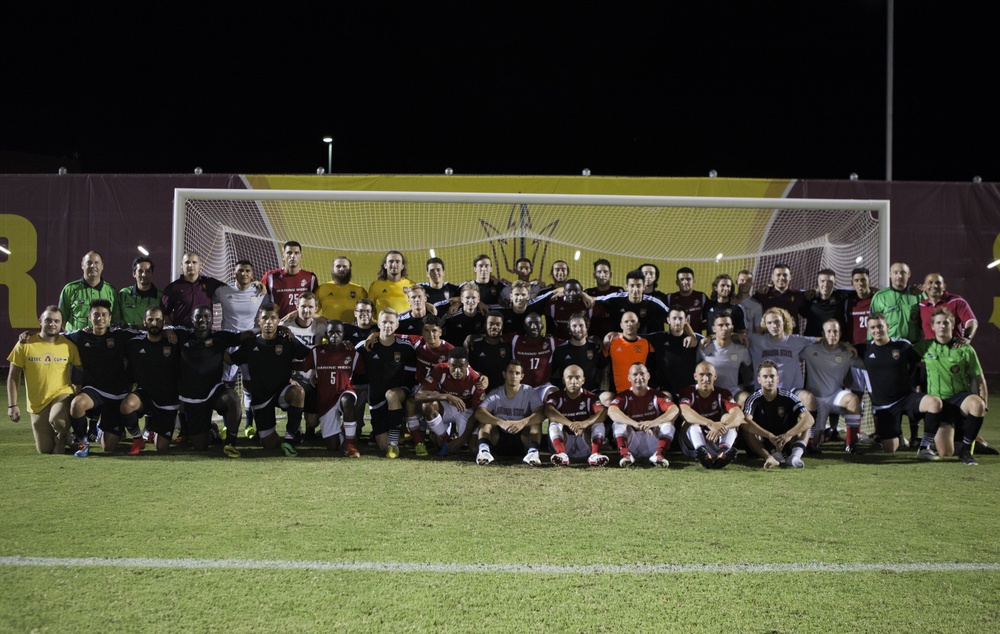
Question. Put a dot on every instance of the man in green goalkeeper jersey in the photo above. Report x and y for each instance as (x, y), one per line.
(75, 298)
(951, 369)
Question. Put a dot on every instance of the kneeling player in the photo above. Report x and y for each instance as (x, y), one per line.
(510, 419)
(579, 412)
(643, 420)
(329, 368)
(777, 423)
(154, 364)
(712, 416)
(269, 361)
(458, 389)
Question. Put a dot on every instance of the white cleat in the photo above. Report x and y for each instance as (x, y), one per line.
(597, 460)
(559, 459)
(484, 457)
(531, 458)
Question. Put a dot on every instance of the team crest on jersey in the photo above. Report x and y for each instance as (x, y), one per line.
(396, 357)
(590, 355)
(208, 342)
(503, 353)
(781, 412)
(734, 357)
(278, 349)
(442, 359)
(895, 355)
(838, 359)
(303, 283)
(955, 369)
(583, 406)
(697, 303)
(109, 343)
(354, 294)
(642, 313)
(167, 351)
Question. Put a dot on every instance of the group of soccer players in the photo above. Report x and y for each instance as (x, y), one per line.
(483, 365)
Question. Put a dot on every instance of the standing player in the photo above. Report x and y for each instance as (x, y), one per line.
(561, 308)
(951, 369)
(689, 299)
(328, 368)
(728, 358)
(643, 420)
(45, 360)
(652, 313)
(625, 350)
(576, 421)
(412, 321)
(651, 281)
(899, 304)
(752, 310)
(824, 303)
(675, 354)
(154, 366)
(827, 368)
(521, 304)
(580, 351)
(269, 358)
(438, 290)
(490, 288)
(338, 296)
(510, 419)
(284, 285)
(449, 395)
(723, 299)
(387, 290)
(777, 422)
(132, 302)
(490, 353)
(858, 306)
(523, 267)
(781, 295)
(468, 321)
(75, 297)
(390, 365)
(712, 418)
(966, 323)
(602, 275)
(191, 289)
(105, 383)
(891, 364)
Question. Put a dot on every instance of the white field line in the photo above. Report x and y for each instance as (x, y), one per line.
(546, 569)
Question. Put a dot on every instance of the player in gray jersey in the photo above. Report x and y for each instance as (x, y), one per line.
(752, 310)
(726, 356)
(510, 419)
(828, 366)
(778, 345)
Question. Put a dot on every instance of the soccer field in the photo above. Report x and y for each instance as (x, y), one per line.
(192, 542)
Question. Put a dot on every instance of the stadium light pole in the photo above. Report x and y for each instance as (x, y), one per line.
(329, 153)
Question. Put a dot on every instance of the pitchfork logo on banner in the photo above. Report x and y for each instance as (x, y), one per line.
(519, 239)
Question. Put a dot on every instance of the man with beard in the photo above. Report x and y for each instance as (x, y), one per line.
(154, 366)
(722, 300)
(581, 351)
(338, 297)
(689, 299)
(387, 290)
(781, 295)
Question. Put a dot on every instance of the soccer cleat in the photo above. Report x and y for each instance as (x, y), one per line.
(351, 450)
(704, 457)
(795, 463)
(853, 448)
(531, 459)
(985, 449)
(420, 449)
(597, 460)
(627, 460)
(725, 458)
(392, 452)
(289, 449)
(928, 454)
(230, 451)
(138, 444)
(560, 459)
(484, 457)
(658, 460)
(251, 431)
(83, 449)
(967, 458)
(830, 434)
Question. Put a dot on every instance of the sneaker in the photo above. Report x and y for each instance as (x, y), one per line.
(251, 431)
(928, 454)
(420, 449)
(983, 448)
(392, 452)
(658, 460)
(597, 460)
(351, 450)
(704, 457)
(484, 457)
(138, 444)
(725, 458)
(560, 459)
(967, 458)
(531, 458)
(289, 449)
(866, 441)
(230, 451)
(627, 460)
(443, 451)
(795, 463)
(853, 448)
(830, 434)
(83, 449)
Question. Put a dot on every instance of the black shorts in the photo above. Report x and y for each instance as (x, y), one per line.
(109, 410)
(263, 413)
(161, 419)
(382, 421)
(311, 405)
(888, 421)
(509, 444)
(198, 416)
(952, 411)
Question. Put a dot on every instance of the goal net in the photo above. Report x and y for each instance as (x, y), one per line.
(709, 235)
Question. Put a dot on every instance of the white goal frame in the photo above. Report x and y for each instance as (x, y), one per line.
(182, 195)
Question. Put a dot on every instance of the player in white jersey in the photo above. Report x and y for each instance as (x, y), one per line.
(239, 304)
(727, 357)
(306, 326)
(828, 366)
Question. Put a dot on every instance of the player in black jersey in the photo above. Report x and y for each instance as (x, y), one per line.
(269, 358)
(581, 351)
(777, 424)
(154, 366)
(489, 354)
(467, 320)
(652, 312)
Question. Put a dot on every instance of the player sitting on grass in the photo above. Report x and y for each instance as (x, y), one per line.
(328, 368)
(269, 357)
(450, 394)
(643, 420)
(777, 424)
(712, 417)
(510, 419)
(580, 413)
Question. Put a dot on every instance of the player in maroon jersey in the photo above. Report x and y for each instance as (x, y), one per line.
(689, 299)
(712, 417)
(328, 368)
(534, 351)
(576, 421)
(450, 394)
(287, 283)
(643, 420)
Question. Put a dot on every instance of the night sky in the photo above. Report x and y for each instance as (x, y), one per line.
(750, 89)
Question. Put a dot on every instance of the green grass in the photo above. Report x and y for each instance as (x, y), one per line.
(873, 509)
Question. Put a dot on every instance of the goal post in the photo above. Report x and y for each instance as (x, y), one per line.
(709, 234)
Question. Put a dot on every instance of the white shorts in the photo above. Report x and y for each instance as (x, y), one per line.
(641, 444)
(860, 381)
(451, 415)
(332, 422)
(829, 405)
(543, 390)
(576, 446)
